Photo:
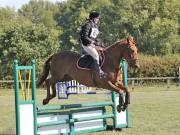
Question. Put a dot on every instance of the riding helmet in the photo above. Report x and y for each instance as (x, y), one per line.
(93, 15)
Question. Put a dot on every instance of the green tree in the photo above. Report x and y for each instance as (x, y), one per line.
(71, 17)
(26, 43)
(161, 34)
(40, 11)
(9, 18)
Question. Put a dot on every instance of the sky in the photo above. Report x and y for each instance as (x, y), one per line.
(17, 3)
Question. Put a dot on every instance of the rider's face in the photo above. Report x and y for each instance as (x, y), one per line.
(96, 20)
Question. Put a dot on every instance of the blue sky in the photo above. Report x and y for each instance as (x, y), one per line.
(17, 3)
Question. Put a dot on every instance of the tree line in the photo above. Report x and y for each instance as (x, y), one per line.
(41, 28)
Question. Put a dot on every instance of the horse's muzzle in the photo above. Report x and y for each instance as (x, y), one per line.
(137, 66)
(137, 69)
(134, 64)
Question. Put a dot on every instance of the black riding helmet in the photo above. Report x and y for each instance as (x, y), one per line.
(93, 15)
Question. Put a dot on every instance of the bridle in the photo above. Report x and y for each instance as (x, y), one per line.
(129, 45)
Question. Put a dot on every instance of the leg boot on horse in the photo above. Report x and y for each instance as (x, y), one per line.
(120, 107)
(127, 101)
(127, 95)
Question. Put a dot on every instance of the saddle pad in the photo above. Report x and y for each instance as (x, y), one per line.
(85, 62)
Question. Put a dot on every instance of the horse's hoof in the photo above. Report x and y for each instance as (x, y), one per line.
(124, 107)
(45, 101)
(119, 108)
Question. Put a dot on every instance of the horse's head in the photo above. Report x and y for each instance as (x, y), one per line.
(130, 53)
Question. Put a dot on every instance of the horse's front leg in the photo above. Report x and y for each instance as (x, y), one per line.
(121, 98)
(127, 96)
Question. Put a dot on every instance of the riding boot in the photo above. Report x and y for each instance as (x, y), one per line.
(99, 70)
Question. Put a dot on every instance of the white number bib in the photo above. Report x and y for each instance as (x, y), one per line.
(94, 32)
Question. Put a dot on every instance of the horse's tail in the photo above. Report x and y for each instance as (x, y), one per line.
(45, 72)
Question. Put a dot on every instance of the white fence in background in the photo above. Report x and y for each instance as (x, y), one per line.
(133, 82)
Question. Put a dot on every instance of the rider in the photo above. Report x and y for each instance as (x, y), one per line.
(90, 43)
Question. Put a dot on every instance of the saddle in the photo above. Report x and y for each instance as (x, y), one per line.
(85, 61)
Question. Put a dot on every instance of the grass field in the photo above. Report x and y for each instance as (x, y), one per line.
(153, 111)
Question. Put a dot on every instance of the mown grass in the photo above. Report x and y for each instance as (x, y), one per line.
(153, 110)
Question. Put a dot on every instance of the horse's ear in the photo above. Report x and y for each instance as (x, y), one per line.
(131, 40)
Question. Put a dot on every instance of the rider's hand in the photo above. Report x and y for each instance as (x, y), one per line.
(98, 43)
(99, 48)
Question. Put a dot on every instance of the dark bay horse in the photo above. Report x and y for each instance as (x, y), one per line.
(62, 67)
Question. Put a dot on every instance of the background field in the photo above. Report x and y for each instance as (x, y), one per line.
(153, 110)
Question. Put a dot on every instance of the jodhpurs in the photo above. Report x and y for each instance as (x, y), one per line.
(90, 49)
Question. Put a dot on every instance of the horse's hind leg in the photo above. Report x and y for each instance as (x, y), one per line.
(46, 100)
(51, 91)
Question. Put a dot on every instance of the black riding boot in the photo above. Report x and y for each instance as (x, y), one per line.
(99, 70)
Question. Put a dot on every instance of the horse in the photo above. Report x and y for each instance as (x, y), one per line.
(62, 66)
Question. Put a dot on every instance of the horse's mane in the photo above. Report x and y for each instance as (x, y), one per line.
(122, 41)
